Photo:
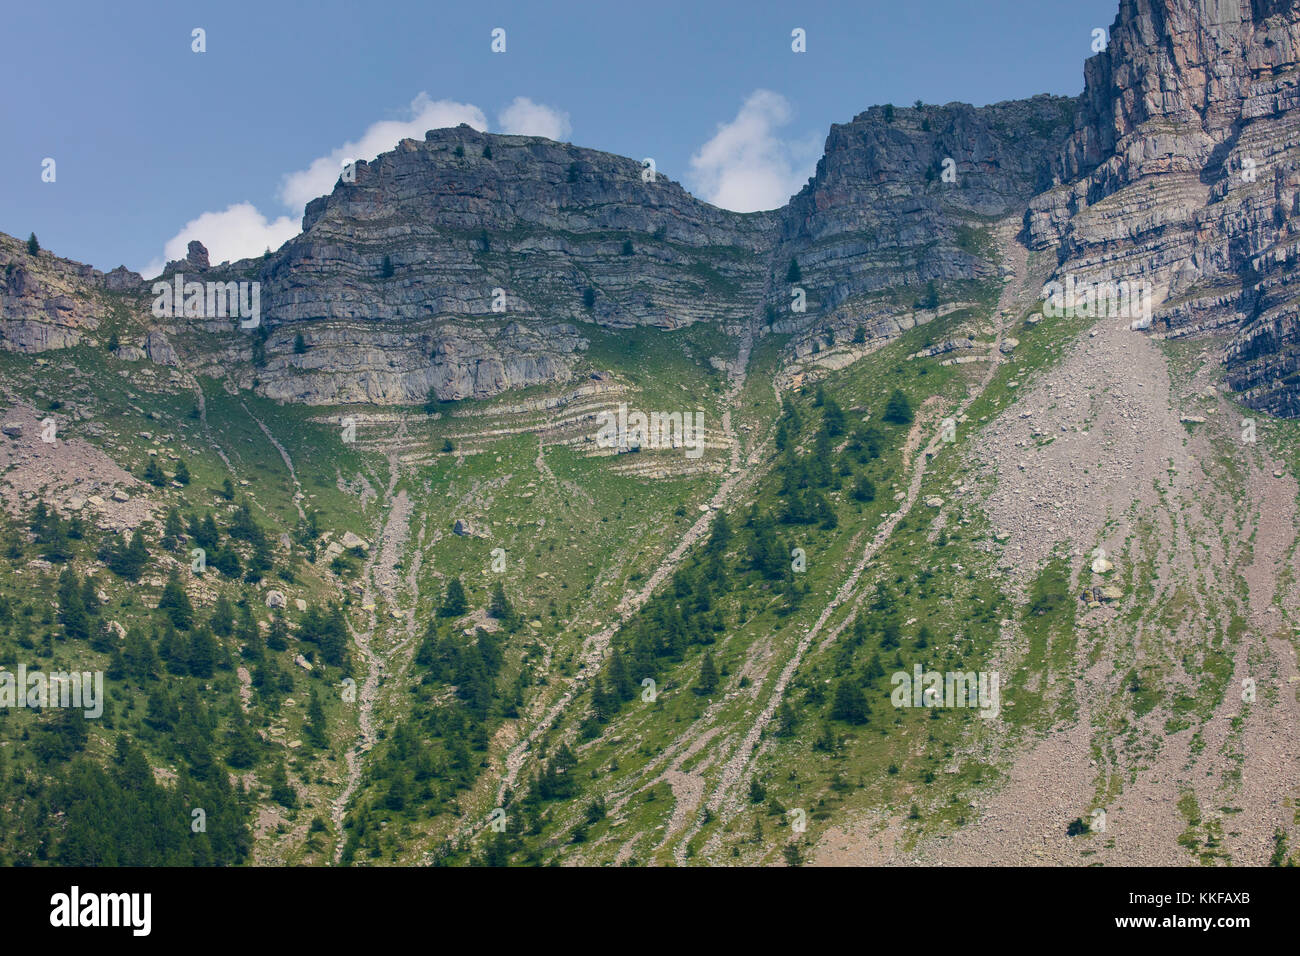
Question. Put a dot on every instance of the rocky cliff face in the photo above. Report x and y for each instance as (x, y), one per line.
(47, 302)
(470, 263)
(902, 199)
(501, 248)
(1183, 173)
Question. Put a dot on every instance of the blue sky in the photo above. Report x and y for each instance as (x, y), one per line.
(149, 137)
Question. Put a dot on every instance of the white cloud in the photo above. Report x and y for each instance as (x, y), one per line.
(523, 117)
(745, 166)
(425, 114)
(238, 232)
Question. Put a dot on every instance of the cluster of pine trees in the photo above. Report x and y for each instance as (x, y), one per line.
(53, 534)
(437, 752)
(734, 574)
(689, 612)
(222, 553)
(121, 816)
(173, 696)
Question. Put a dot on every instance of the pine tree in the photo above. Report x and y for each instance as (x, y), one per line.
(173, 530)
(620, 680)
(875, 670)
(243, 527)
(161, 713)
(708, 679)
(51, 534)
(247, 629)
(923, 637)
(182, 475)
(174, 652)
(455, 604)
(278, 637)
(33, 246)
(499, 606)
(849, 705)
(176, 604)
(898, 410)
(223, 617)
(89, 598)
(72, 609)
(153, 474)
(126, 559)
(833, 418)
(386, 268)
(785, 719)
(208, 529)
(226, 561)
(864, 489)
(138, 655)
(334, 639)
(720, 535)
(794, 273)
(316, 727)
(253, 648)
(203, 654)
(241, 743)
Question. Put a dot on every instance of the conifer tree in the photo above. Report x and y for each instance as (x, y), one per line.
(708, 679)
(898, 410)
(203, 653)
(176, 603)
(849, 705)
(316, 728)
(455, 603)
(499, 606)
(153, 473)
(173, 530)
(72, 609)
(223, 617)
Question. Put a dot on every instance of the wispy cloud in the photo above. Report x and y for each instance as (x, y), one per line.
(746, 166)
(523, 117)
